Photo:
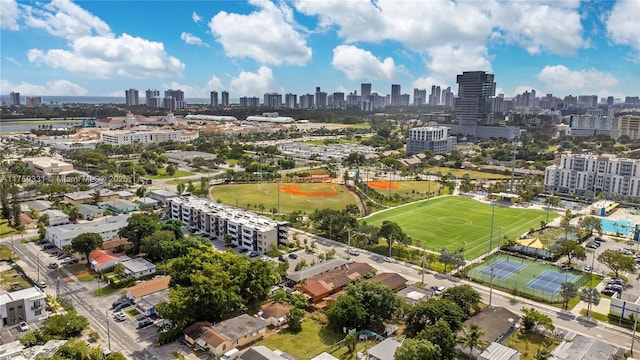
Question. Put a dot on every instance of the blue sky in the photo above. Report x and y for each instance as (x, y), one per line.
(101, 48)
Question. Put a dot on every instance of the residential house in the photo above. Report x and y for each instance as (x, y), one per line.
(126, 195)
(414, 294)
(264, 353)
(22, 305)
(89, 212)
(107, 228)
(393, 281)
(146, 295)
(233, 333)
(86, 197)
(496, 322)
(332, 281)
(27, 221)
(324, 356)
(275, 314)
(306, 273)
(384, 350)
(55, 217)
(117, 245)
(101, 260)
(147, 201)
(138, 267)
(496, 351)
(583, 348)
(119, 206)
(39, 205)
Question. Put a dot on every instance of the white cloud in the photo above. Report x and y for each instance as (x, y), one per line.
(427, 81)
(65, 19)
(357, 63)
(196, 18)
(51, 88)
(214, 83)
(448, 61)
(9, 15)
(267, 35)
(254, 84)
(99, 57)
(13, 61)
(559, 77)
(195, 91)
(622, 25)
(521, 89)
(192, 39)
(540, 27)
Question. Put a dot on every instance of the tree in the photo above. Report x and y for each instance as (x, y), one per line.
(115, 356)
(590, 223)
(617, 261)
(472, 338)
(379, 301)
(175, 226)
(141, 192)
(74, 213)
(571, 249)
(180, 188)
(347, 312)
(565, 224)
(591, 296)
(417, 349)
(543, 353)
(86, 243)
(393, 232)
(139, 226)
(440, 334)
(73, 349)
(294, 319)
(119, 269)
(298, 300)
(64, 326)
(532, 318)
(427, 313)
(551, 201)
(568, 290)
(465, 296)
(447, 257)
(42, 230)
(95, 197)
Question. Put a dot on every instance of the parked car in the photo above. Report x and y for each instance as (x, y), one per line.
(122, 305)
(439, 290)
(120, 316)
(48, 246)
(588, 268)
(293, 256)
(566, 267)
(599, 239)
(243, 250)
(252, 254)
(615, 287)
(388, 259)
(281, 258)
(608, 292)
(41, 284)
(23, 326)
(144, 323)
(354, 252)
(52, 266)
(69, 260)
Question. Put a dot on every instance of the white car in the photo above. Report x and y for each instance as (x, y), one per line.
(41, 284)
(354, 252)
(120, 316)
(23, 326)
(388, 259)
(439, 290)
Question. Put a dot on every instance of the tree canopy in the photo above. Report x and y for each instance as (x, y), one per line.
(138, 226)
(465, 296)
(428, 312)
(571, 249)
(417, 349)
(617, 261)
(532, 318)
(86, 243)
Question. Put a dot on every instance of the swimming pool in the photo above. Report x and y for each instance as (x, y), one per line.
(621, 226)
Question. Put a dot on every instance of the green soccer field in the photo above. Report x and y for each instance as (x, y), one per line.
(450, 221)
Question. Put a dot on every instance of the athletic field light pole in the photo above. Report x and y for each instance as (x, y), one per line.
(491, 286)
(500, 227)
(493, 211)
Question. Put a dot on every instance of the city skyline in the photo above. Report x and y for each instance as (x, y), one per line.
(103, 48)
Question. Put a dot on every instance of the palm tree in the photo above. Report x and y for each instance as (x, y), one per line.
(551, 201)
(591, 296)
(473, 338)
(568, 291)
(543, 353)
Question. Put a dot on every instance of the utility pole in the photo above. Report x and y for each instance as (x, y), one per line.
(633, 337)
(38, 265)
(491, 287)
(106, 313)
(424, 254)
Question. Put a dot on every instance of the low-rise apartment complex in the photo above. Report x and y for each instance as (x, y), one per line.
(582, 173)
(247, 230)
(126, 137)
(22, 305)
(107, 229)
(433, 138)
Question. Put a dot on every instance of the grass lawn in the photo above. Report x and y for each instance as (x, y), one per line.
(314, 339)
(10, 277)
(5, 252)
(162, 174)
(450, 221)
(106, 290)
(528, 344)
(407, 189)
(5, 229)
(250, 196)
(76, 269)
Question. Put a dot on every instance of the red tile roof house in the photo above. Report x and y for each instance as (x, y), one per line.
(393, 281)
(332, 281)
(236, 332)
(101, 259)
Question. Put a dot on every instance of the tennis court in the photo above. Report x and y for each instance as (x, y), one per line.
(503, 269)
(550, 281)
(536, 278)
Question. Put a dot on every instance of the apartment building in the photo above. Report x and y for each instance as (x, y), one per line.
(247, 230)
(629, 125)
(582, 173)
(106, 228)
(432, 138)
(22, 305)
(47, 166)
(125, 137)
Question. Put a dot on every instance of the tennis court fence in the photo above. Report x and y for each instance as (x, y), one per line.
(518, 287)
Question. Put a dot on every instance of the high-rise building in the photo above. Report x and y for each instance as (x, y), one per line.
(272, 100)
(338, 101)
(447, 97)
(419, 97)
(395, 95)
(178, 96)
(629, 125)
(354, 100)
(306, 101)
(321, 99)
(225, 99)
(365, 91)
(473, 105)
(250, 102)
(434, 97)
(214, 99)
(132, 97)
(609, 100)
(632, 100)
(14, 98)
(33, 101)
(291, 101)
(169, 102)
(588, 101)
(152, 98)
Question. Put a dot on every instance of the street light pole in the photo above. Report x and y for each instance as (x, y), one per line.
(424, 255)
(491, 286)
(633, 337)
(493, 211)
(106, 313)
(500, 227)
